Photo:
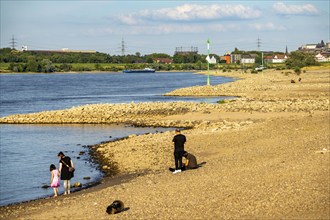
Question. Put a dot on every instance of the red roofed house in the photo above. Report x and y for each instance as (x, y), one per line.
(276, 58)
(322, 57)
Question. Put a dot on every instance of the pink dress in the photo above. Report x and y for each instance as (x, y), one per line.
(56, 180)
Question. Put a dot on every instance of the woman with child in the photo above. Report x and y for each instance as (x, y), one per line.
(66, 170)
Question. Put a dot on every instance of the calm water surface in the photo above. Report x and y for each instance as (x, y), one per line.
(26, 151)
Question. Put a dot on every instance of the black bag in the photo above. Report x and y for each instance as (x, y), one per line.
(115, 207)
(71, 169)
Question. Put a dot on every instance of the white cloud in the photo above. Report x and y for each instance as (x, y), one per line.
(128, 19)
(267, 27)
(195, 28)
(169, 28)
(307, 9)
(193, 12)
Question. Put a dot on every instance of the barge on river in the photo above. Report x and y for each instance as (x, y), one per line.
(145, 70)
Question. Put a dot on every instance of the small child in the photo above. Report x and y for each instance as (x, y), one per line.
(54, 180)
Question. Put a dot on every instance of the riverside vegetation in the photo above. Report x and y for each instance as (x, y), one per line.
(51, 61)
(266, 153)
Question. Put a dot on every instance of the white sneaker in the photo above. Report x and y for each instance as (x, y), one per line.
(177, 171)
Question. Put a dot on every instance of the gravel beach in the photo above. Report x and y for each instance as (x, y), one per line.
(265, 154)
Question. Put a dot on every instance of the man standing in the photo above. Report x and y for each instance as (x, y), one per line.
(179, 140)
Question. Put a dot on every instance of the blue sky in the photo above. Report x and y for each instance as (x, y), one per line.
(161, 26)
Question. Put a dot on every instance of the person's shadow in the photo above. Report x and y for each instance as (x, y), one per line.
(125, 209)
(201, 164)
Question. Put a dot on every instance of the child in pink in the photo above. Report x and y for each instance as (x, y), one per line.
(54, 180)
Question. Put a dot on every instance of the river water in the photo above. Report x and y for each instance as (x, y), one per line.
(26, 151)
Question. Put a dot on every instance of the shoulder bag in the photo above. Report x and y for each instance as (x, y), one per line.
(71, 169)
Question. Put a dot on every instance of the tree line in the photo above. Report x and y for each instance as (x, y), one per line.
(51, 61)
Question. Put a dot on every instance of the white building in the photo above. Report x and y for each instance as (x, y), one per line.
(247, 58)
(322, 58)
(277, 58)
(309, 46)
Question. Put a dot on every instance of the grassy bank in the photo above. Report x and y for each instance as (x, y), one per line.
(112, 67)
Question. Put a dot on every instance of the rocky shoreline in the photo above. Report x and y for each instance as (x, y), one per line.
(262, 151)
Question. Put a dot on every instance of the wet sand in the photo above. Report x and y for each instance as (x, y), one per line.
(266, 153)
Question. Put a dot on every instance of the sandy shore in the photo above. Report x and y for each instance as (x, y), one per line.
(266, 153)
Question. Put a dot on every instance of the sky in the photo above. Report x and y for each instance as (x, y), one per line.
(128, 27)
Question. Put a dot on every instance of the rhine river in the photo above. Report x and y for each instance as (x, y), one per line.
(26, 151)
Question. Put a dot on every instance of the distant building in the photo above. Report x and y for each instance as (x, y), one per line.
(276, 58)
(186, 50)
(308, 47)
(63, 50)
(163, 60)
(235, 58)
(322, 57)
(248, 58)
(78, 51)
(315, 48)
(226, 58)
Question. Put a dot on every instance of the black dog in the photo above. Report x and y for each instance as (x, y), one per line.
(115, 207)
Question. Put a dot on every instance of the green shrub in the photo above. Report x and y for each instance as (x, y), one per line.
(221, 101)
(297, 70)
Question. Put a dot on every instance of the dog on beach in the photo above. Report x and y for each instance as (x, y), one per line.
(115, 207)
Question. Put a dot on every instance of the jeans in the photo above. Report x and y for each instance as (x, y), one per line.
(178, 159)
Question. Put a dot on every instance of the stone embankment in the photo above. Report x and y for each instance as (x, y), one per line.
(152, 114)
(140, 114)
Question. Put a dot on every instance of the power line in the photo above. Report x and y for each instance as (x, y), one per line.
(122, 47)
(258, 43)
(13, 42)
